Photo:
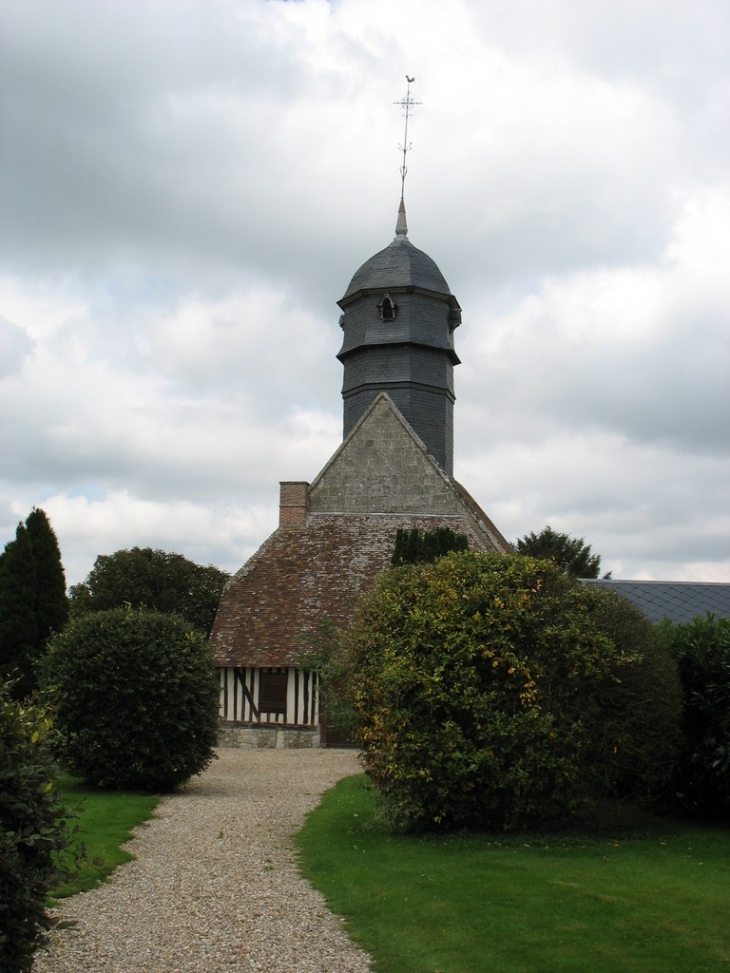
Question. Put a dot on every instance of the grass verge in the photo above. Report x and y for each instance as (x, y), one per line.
(105, 820)
(642, 895)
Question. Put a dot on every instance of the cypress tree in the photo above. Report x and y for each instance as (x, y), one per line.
(51, 601)
(33, 602)
(414, 547)
(18, 619)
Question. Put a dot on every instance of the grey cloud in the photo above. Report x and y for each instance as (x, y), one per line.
(15, 345)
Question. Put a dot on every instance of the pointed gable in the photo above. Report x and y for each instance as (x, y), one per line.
(382, 467)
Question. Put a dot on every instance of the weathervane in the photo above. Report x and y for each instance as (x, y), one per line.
(406, 104)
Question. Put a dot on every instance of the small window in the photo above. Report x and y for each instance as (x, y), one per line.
(387, 308)
(272, 691)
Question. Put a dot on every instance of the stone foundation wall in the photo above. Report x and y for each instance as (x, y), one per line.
(269, 737)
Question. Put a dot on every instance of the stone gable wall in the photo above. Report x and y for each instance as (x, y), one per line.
(383, 469)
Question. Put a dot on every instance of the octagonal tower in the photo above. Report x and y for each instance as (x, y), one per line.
(398, 321)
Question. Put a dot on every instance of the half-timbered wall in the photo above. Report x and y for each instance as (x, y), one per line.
(240, 697)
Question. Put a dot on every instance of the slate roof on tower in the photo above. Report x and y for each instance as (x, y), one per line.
(400, 264)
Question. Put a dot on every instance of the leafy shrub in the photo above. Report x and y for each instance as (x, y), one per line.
(137, 699)
(479, 680)
(325, 655)
(702, 649)
(33, 831)
(637, 729)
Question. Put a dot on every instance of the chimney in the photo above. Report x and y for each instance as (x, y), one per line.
(293, 503)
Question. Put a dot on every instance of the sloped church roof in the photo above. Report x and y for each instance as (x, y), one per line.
(677, 601)
(381, 478)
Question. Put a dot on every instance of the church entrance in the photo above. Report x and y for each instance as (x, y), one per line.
(334, 736)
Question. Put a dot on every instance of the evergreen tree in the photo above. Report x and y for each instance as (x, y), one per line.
(416, 547)
(33, 602)
(572, 554)
(51, 600)
(19, 634)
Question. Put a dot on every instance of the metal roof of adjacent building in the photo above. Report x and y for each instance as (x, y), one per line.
(678, 601)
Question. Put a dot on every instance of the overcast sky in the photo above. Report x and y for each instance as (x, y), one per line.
(187, 187)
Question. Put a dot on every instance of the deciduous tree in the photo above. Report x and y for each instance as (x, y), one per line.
(160, 581)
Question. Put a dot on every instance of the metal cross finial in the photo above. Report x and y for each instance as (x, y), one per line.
(406, 104)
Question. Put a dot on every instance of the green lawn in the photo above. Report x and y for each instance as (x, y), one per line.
(643, 895)
(105, 820)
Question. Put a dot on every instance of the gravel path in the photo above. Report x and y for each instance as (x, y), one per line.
(214, 887)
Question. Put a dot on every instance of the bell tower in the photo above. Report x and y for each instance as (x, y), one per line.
(398, 321)
(398, 318)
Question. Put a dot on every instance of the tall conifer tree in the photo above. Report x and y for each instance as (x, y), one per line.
(572, 554)
(33, 601)
(18, 620)
(51, 600)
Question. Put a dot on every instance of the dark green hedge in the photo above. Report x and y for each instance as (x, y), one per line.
(702, 650)
(33, 832)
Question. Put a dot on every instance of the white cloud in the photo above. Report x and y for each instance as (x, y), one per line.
(225, 535)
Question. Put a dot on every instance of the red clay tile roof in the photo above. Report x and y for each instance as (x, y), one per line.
(304, 574)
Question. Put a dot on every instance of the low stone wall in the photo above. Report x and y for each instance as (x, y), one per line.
(268, 737)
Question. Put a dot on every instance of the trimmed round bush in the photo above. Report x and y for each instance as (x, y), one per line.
(137, 699)
(33, 831)
(479, 681)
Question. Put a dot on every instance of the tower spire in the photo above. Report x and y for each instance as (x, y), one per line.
(407, 103)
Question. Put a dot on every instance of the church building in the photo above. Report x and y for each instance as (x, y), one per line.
(394, 469)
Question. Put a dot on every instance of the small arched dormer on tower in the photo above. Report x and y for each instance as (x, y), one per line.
(388, 308)
(413, 358)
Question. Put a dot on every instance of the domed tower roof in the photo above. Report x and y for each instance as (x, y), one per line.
(400, 264)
